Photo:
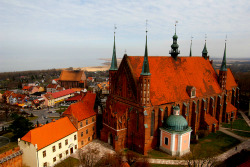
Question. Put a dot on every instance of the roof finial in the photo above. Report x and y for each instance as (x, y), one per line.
(205, 38)
(114, 28)
(146, 27)
(190, 54)
(175, 25)
(125, 51)
(226, 39)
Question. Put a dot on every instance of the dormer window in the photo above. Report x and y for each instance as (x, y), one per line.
(191, 90)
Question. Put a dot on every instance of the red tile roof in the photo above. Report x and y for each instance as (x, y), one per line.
(125, 164)
(230, 82)
(48, 96)
(170, 78)
(62, 93)
(82, 109)
(245, 164)
(72, 75)
(52, 86)
(50, 133)
(210, 120)
(7, 93)
(230, 108)
(26, 87)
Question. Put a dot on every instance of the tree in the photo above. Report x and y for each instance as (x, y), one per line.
(20, 126)
(88, 158)
(47, 122)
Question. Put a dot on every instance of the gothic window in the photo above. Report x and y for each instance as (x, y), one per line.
(152, 122)
(137, 121)
(197, 109)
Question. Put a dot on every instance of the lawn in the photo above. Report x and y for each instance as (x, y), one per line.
(32, 118)
(61, 110)
(213, 144)
(68, 162)
(9, 146)
(238, 124)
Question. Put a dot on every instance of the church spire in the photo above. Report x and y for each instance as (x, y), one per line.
(223, 63)
(190, 54)
(145, 67)
(174, 47)
(204, 52)
(114, 61)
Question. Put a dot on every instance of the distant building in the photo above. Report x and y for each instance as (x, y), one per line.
(52, 88)
(49, 144)
(73, 79)
(48, 100)
(83, 115)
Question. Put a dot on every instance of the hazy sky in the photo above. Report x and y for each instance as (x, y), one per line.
(45, 34)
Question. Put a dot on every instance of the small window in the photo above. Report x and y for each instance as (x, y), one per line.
(93, 119)
(54, 159)
(166, 141)
(192, 93)
(66, 142)
(93, 128)
(82, 142)
(44, 154)
(67, 152)
(75, 146)
(74, 137)
(45, 164)
(60, 145)
(60, 156)
(88, 138)
(80, 124)
(87, 122)
(81, 134)
(87, 131)
(54, 148)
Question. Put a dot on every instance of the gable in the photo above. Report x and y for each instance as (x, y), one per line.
(170, 78)
(125, 84)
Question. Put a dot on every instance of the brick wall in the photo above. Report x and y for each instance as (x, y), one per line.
(11, 158)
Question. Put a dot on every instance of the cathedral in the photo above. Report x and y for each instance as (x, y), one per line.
(144, 91)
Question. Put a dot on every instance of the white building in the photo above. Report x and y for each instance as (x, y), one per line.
(49, 144)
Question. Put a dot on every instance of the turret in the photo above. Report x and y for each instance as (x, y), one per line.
(223, 72)
(204, 52)
(145, 79)
(190, 53)
(174, 47)
(113, 68)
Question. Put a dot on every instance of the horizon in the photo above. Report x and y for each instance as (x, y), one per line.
(73, 33)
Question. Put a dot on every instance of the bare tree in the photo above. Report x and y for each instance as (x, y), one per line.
(89, 157)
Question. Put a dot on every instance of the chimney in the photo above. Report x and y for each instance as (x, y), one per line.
(53, 120)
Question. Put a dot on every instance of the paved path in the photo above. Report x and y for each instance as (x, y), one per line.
(224, 130)
(245, 117)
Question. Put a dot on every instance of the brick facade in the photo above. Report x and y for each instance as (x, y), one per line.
(133, 117)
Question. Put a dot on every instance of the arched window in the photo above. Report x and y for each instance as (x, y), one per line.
(152, 122)
(165, 114)
(197, 110)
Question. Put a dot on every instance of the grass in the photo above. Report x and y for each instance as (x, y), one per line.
(214, 144)
(32, 118)
(243, 134)
(9, 146)
(68, 162)
(238, 124)
(60, 110)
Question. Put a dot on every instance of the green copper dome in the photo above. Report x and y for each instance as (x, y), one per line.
(175, 37)
(176, 123)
